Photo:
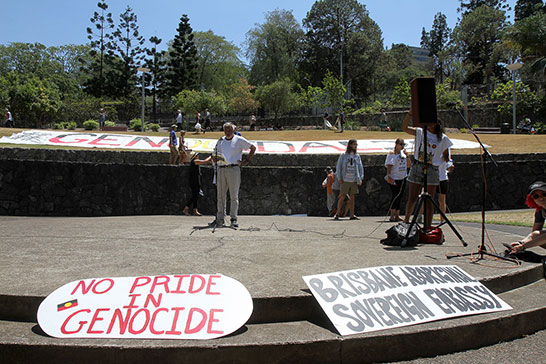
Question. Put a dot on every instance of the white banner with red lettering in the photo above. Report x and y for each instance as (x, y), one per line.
(144, 142)
(379, 298)
(184, 306)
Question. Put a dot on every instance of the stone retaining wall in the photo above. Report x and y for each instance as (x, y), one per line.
(33, 186)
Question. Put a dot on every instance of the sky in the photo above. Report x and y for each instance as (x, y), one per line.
(62, 22)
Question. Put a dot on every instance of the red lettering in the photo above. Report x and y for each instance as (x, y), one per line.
(151, 298)
(200, 325)
(152, 322)
(58, 139)
(65, 323)
(94, 289)
(164, 283)
(103, 138)
(132, 303)
(123, 321)
(132, 321)
(191, 288)
(95, 319)
(261, 147)
(149, 141)
(212, 320)
(173, 331)
(137, 284)
(179, 285)
(85, 289)
(319, 145)
(211, 283)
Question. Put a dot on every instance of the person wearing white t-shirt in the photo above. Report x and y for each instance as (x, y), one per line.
(445, 168)
(227, 155)
(438, 145)
(397, 163)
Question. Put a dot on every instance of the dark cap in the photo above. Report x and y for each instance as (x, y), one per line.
(538, 185)
(328, 169)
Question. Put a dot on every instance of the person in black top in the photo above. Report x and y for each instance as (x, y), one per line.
(194, 181)
(536, 198)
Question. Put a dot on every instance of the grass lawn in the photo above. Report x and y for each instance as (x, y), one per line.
(516, 217)
(499, 143)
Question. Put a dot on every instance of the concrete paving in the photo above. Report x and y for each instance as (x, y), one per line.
(268, 254)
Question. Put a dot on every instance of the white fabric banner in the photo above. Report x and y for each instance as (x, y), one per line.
(144, 142)
(372, 299)
(180, 306)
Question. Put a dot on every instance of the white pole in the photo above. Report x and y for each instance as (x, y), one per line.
(142, 114)
(514, 67)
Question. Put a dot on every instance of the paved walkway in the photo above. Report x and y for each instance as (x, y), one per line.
(268, 254)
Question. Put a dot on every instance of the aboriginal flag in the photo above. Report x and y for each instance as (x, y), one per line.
(67, 305)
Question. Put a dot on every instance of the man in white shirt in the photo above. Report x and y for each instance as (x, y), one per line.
(179, 120)
(228, 158)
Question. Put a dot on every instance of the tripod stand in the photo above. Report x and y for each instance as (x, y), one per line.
(424, 197)
(482, 250)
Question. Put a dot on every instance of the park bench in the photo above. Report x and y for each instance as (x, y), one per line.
(487, 130)
(115, 128)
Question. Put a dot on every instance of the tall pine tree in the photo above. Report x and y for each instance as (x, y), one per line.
(436, 42)
(468, 5)
(156, 63)
(101, 50)
(526, 8)
(129, 49)
(182, 63)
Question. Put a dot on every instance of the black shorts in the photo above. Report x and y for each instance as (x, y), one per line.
(444, 187)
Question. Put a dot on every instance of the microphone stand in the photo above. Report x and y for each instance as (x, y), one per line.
(482, 250)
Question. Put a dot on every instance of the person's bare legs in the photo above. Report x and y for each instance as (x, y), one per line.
(413, 194)
(339, 205)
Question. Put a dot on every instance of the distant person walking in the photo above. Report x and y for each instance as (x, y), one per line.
(175, 154)
(102, 118)
(350, 173)
(207, 121)
(9, 120)
(252, 122)
(179, 119)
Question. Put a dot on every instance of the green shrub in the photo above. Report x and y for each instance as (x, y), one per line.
(352, 125)
(373, 128)
(540, 127)
(152, 127)
(69, 125)
(396, 125)
(373, 108)
(90, 125)
(109, 123)
(135, 124)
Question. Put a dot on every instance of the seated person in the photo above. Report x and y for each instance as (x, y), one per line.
(536, 198)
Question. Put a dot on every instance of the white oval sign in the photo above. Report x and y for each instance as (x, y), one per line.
(184, 306)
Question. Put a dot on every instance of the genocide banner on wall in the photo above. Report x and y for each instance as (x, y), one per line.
(185, 306)
(372, 299)
(145, 142)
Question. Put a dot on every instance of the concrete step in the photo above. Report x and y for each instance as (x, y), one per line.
(274, 308)
(290, 342)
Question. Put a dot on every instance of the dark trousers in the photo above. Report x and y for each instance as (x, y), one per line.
(194, 197)
(397, 189)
